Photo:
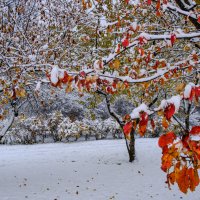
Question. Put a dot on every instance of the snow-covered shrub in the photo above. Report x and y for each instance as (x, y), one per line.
(56, 127)
(53, 122)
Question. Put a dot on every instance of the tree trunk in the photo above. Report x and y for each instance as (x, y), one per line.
(7, 126)
(132, 146)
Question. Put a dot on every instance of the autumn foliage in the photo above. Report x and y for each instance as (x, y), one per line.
(180, 159)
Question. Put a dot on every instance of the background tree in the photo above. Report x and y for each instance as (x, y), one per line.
(35, 36)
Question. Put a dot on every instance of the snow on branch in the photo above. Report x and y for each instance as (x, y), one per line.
(178, 10)
(150, 37)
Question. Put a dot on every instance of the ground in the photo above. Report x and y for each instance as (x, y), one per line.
(96, 170)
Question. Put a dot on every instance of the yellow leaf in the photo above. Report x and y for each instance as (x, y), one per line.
(116, 64)
(180, 87)
(20, 92)
(165, 123)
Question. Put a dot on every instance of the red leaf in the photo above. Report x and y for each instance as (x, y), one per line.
(65, 78)
(148, 58)
(158, 13)
(185, 141)
(142, 40)
(125, 43)
(82, 74)
(195, 130)
(118, 48)
(166, 139)
(173, 39)
(198, 20)
(149, 2)
(197, 92)
(153, 124)
(109, 90)
(169, 111)
(192, 94)
(143, 123)
(127, 128)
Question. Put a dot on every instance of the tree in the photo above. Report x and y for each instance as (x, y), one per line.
(149, 51)
(35, 36)
(158, 46)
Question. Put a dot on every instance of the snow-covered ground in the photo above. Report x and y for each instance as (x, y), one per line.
(96, 170)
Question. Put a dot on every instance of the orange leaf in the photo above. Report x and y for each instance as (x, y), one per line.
(195, 147)
(166, 162)
(158, 13)
(127, 117)
(143, 123)
(165, 123)
(166, 139)
(65, 78)
(158, 5)
(194, 178)
(141, 51)
(182, 180)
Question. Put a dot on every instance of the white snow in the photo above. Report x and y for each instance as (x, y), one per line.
(32, 58)
(61, 74)
(195, 137)
(96, 170)
(54, 75)
(136, 111)
(178, 10)
(142, 72)
(98, 65)
(188, 89)
(37, 88)
(134, 25)
(45, 47)
(176, 100)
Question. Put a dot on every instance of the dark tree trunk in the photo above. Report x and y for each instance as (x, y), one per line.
(132, 146)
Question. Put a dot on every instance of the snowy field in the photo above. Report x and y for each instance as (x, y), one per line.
(96, 170)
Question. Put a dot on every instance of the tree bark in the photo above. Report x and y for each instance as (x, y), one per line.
(7, 126)
(132, 146)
